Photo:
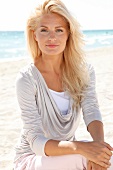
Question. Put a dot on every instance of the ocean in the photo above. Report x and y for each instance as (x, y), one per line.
(13, 44)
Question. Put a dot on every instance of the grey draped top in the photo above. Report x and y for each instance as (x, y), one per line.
(42, 119)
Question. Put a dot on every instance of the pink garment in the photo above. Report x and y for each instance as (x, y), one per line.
(66, 162)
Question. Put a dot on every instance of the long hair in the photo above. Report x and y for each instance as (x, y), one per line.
(75, 75)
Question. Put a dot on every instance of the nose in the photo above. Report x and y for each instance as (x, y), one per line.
(52, 36)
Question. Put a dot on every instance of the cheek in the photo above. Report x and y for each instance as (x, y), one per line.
(38, 37)
(39, 40)
(64, 39)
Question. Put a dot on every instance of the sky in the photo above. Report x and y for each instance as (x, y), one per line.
(91, 14)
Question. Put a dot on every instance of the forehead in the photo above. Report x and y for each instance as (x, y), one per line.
(52, 19)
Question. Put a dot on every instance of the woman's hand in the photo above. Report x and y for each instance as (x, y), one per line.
(97, 152)
(94, 166)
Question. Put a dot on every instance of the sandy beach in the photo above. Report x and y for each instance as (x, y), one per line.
(10, 122)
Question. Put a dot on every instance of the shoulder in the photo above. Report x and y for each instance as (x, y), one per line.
(23, 74)
(25, 77)
(25, 71)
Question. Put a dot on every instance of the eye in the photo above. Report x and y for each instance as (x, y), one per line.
(44, 30)
(59, 30)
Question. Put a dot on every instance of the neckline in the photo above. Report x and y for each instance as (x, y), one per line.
(56, 91)
(45, 81)
(70, 101)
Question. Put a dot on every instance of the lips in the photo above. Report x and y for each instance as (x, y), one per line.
(52, 45)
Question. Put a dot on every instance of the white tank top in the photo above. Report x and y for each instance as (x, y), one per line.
(62, 100)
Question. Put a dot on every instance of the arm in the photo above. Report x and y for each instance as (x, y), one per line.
(93, 151)
(32, 124)
(93, 120)
(33, 128)
(56, 148)
(89, 104)
(95, 128)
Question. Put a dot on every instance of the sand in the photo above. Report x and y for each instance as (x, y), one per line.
(10, 122)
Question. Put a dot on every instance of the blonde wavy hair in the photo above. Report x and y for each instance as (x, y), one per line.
(75, 75)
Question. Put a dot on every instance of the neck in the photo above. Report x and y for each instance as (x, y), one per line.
(50, 63)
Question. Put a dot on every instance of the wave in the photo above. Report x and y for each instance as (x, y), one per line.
(13, 45)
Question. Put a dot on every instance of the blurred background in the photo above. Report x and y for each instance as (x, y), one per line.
(95, 18)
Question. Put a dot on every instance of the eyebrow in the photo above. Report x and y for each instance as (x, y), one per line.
(55, 27)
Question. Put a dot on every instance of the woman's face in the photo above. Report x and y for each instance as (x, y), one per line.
(51, 34)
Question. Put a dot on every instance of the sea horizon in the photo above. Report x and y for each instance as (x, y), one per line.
(13, 42)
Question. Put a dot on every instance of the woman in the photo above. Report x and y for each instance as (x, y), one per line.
(51, 91)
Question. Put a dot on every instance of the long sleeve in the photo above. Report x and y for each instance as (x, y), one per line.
(41, 117)
(89, 104)
(32, 123)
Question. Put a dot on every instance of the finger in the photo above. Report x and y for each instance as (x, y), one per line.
(97, 167)
(103, 164)
(108, 146)
(89, 167)
(107, 151)
(106, 156)
(107, 162)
